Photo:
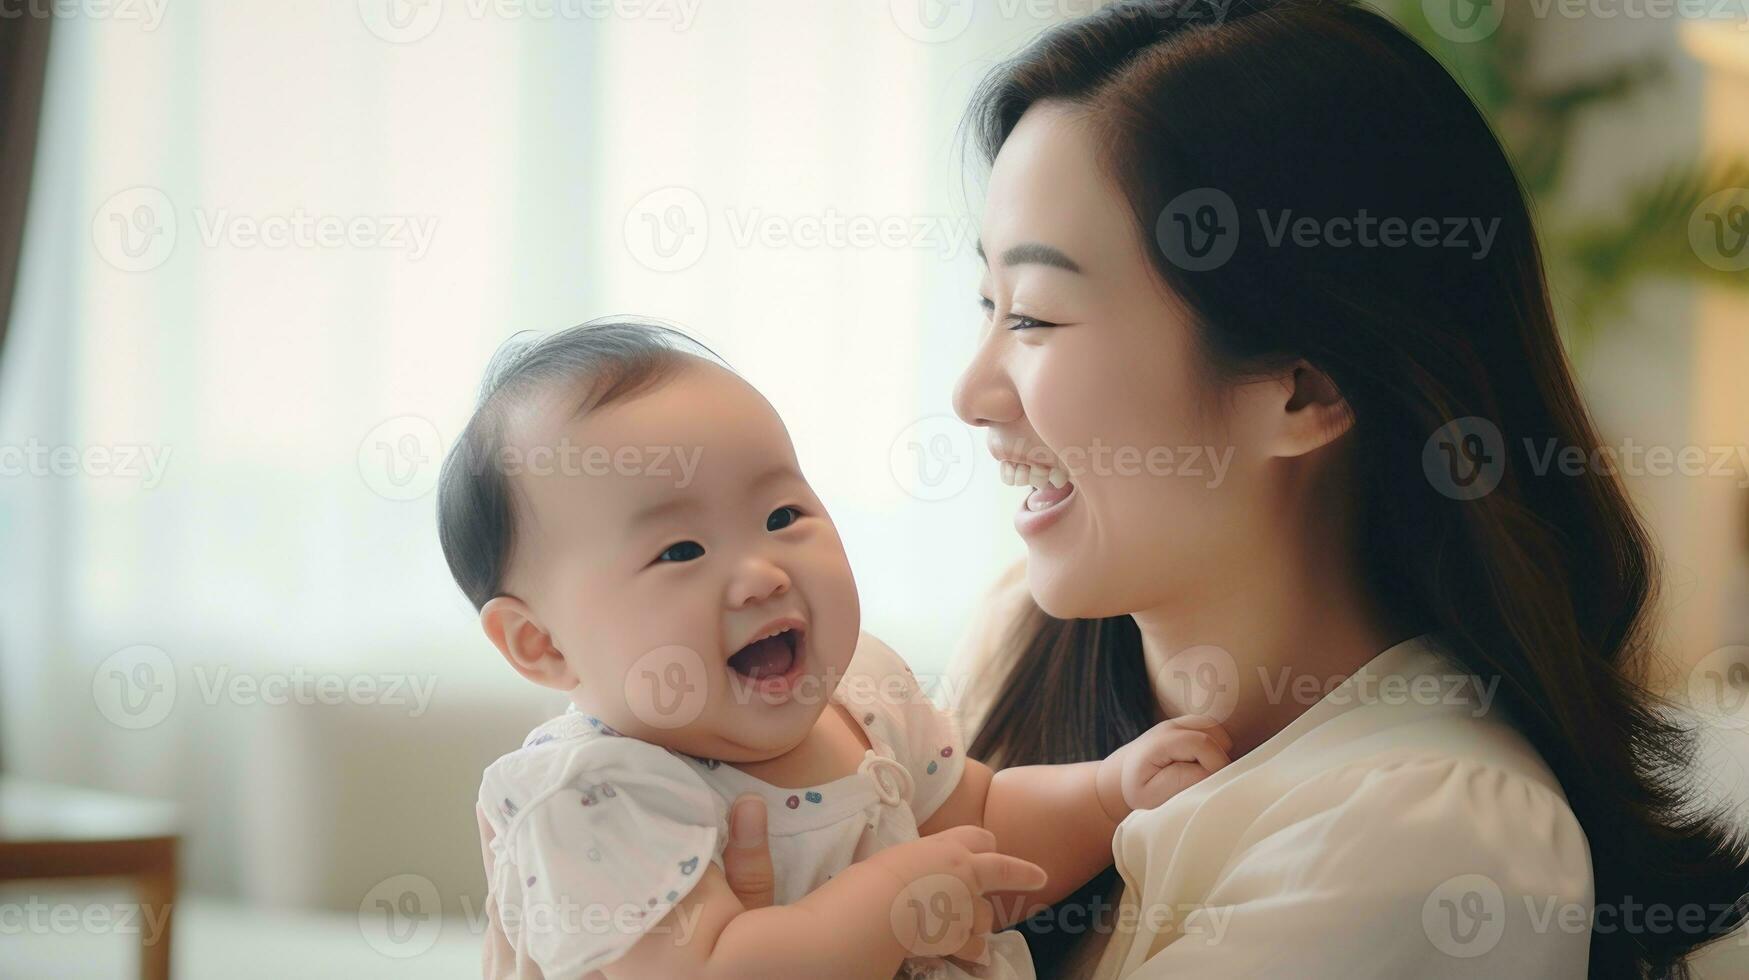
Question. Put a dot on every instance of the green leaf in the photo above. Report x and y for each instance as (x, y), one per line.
(1649, 236)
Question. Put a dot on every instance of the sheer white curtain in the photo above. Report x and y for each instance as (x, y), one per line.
(272, 245)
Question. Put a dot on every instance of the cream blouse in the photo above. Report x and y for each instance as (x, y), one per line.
(1400, 827)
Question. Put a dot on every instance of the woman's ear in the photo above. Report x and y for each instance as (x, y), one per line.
(1313, 412)
(512, 628)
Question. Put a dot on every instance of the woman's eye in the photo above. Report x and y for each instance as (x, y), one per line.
(1015, 321)
(781, 518)
(684, 551)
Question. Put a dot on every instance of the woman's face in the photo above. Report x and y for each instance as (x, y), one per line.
(1087, 365)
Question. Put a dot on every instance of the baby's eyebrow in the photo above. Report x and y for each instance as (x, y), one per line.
(658, 509)
(775, 474)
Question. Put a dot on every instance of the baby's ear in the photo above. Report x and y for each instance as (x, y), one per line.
(512, 628)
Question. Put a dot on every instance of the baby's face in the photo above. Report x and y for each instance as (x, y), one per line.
(693, 583)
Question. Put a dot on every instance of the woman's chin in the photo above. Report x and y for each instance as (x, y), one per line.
(1057, 590)
(1080, 589)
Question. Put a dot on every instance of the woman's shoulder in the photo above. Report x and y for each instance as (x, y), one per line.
(1434, 861)
(1488, 803)
(1411, 773)
(1454, 803)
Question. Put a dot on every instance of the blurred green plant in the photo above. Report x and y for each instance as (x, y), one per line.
(1593, 259)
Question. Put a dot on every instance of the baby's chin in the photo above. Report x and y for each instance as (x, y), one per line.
(755, 734)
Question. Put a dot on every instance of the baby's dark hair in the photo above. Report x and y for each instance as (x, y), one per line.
(601, 361)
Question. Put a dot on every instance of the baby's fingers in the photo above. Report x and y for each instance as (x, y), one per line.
(977, 949)
(1006, 873)
(1205, 724)
(969, 836)
(1167, 783)
(1191, 746)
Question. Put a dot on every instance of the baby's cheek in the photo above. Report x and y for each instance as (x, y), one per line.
(657, 675)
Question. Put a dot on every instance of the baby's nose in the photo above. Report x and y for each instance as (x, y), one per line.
(757, 581)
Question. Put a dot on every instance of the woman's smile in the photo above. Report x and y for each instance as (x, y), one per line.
(1049, 499)
(1044, 507)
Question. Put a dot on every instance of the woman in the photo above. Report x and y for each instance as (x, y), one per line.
(1203, 258)
(1174, 236)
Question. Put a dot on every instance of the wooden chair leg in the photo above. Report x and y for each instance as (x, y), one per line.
(157, 892)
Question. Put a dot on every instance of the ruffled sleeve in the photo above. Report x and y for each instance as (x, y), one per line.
(1419, 868)
(597, 841)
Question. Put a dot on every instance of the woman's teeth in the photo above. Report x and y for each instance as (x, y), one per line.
(1024, 474)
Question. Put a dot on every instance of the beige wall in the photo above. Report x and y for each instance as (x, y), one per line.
(1705, 527)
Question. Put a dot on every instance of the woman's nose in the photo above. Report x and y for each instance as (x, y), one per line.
(756, 581)
(984, 394)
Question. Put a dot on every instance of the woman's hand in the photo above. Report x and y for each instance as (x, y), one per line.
(1170, 758)
(747, 858)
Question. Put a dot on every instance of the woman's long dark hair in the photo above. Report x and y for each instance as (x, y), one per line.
(1325, 109)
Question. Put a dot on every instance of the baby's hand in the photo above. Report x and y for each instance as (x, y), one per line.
(944, 908)
(1170, 758)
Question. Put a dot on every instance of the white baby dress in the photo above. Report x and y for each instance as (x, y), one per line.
(598, 835)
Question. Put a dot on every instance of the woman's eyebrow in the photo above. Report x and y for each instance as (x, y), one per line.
(1035, 253)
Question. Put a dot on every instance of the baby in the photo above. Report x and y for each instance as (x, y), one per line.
(629, 519)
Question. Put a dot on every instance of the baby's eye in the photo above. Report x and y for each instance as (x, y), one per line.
(684, 551)
(781, 518)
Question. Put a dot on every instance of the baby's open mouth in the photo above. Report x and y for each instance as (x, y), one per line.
(770, 656)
